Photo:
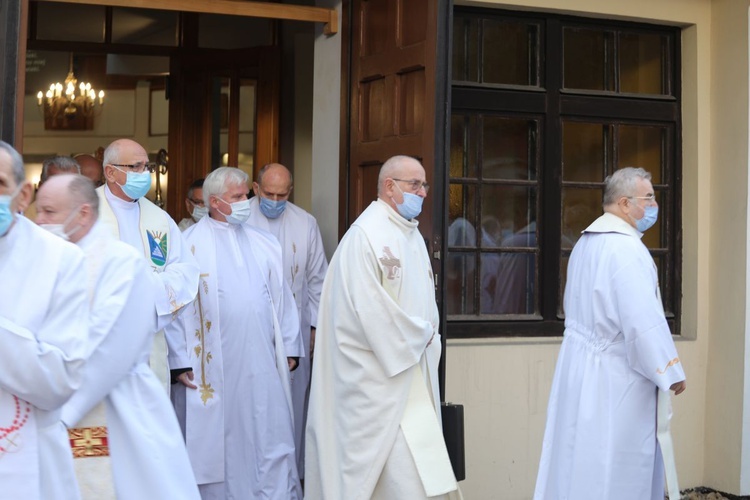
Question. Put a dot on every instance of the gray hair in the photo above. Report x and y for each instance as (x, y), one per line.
(390, 167)
(217, 181)
(65, 164)
(19, 174)
(267, 167)
(196, 184)
(82, 191)
(112, 153)
(622, 183)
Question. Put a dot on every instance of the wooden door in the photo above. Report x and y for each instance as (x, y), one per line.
(207, 115)
(392, 97)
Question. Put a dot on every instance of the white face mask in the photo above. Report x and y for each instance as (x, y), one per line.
(59, 229)
(198, 212)
(240, 212)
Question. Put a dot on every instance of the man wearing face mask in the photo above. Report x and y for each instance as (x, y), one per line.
(126, 212)
(194, 204)
(376, 358)
(121, 450)
(242, 335)
(607, 429)
(43, 331)
(305, 267)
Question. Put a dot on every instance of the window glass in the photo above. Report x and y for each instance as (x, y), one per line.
(641, 63)
(584, 152)
(509, 146)
(509, 54)
(83, 23)
(587, 61)
(464, 150)
(641, 146)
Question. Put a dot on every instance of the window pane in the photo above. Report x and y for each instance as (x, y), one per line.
(144, 26)
(460, 282)
(515, 275)
(464, 146)
(82, 23)
(664, 289)
(465, 43)
(587, 59)
(462, 216)
(509, 146)
(561, 290)
(218, 31)
(509, 52)
(642, 147)
(580, 207)
(641, 63)
(515, 210)
(584, 152)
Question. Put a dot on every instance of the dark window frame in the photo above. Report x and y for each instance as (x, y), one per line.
(553, 103)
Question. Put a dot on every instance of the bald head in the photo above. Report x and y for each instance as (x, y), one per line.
(91, 168)
(274, 182)
(69, 200)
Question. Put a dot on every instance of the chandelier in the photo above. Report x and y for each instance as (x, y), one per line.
(70, 99)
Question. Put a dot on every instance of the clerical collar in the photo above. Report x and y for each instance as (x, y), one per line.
(610, 223)
(116, 202)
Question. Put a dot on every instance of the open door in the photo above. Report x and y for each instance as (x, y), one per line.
(223, 111)
(397, 104)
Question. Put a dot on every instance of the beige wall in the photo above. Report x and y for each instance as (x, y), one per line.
(504, 384)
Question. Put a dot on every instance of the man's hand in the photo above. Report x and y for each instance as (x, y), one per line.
(312, 342)
(678, 387)
(292, 363)
(186, 379)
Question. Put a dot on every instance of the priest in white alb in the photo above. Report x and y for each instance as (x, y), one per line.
(305, 268)
(374, 426)
(125, 211)
(242, 333)
(607, 433)
(43, 333)
(125, 439)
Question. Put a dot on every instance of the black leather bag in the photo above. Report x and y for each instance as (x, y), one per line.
(453, 432)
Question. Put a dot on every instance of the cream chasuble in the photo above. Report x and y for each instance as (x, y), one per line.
(305, 267)
(125, 437)
(240, 330)
(43, 331)
(373, 365)
(152, 232)
(600, 439)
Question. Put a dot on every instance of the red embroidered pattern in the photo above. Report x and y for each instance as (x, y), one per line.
(20, 418)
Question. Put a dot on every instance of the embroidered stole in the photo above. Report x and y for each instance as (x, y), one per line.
(154, 231)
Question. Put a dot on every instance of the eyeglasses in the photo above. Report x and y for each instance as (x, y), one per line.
(415, 184)
(650, 197)
(137, 167)
(197, 202)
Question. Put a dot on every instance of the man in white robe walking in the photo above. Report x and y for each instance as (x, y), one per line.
(617, 353)
(305, 268)
(374, 427)
(242, 333)
(125, 438)
(43, 331)
(126, 212)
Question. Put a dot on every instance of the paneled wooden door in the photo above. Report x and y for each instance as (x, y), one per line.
(397, 104)
(223, 110)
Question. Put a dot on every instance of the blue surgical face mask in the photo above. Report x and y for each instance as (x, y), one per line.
(6, 214)
(137, 184)
(650, 215)
(272, 209)
(411, 206)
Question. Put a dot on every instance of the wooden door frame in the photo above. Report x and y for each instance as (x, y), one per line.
(14, 21)
(267, 64)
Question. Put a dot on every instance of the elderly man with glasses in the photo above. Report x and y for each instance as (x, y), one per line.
(606, 428)
(376, 358)
(131, 217)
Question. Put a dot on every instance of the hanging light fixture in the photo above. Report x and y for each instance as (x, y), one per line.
(70, 99)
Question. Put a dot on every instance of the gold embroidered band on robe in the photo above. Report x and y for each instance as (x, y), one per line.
(89, 442)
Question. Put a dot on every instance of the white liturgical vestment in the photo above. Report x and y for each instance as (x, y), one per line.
(600, 439)
(374, 426)
(239, 332)
(152, 232)
(142, 453)
(43, 333)
(305, 268)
